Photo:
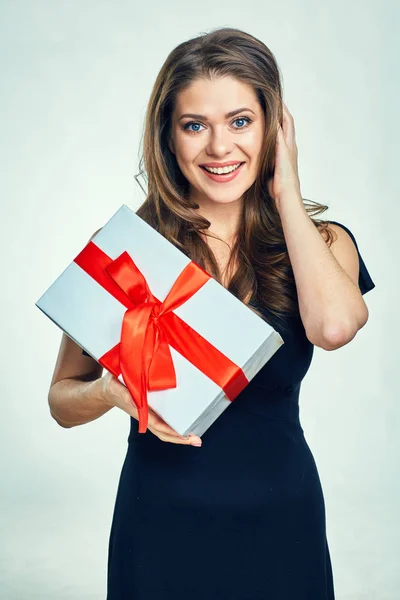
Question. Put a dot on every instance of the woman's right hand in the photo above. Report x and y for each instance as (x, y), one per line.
(114, 393)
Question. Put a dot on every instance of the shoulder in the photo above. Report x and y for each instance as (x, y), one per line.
(337, 236)
(333, 231)
(342, 236)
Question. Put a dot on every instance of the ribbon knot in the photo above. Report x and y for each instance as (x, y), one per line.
(157, 311)
(150, 328)
(143, 339)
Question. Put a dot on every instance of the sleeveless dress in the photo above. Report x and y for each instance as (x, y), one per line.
(240, 518)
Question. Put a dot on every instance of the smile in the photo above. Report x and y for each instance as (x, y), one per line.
(223, 175)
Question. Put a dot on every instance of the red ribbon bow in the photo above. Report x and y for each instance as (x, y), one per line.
(149, 328)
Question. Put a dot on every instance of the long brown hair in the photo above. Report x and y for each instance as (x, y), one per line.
(263, 277)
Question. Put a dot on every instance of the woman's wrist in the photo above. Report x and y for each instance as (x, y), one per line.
(97, 390)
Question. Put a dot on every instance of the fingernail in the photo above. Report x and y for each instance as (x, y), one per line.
(197, 443)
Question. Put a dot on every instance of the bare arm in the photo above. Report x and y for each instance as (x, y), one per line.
(331, 305)
(79, 393)
(75, 395)
(330, 302)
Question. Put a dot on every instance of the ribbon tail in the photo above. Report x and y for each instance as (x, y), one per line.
(135, 357)
(161, 374)
(143, 418)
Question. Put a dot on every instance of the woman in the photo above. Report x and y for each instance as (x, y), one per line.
(243, 516)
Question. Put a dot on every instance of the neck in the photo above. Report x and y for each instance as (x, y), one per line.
(224, 218)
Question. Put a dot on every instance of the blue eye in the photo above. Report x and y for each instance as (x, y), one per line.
(186, 127)
(242, 119)
(192, 123)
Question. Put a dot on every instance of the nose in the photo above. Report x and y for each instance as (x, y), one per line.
(220, 142)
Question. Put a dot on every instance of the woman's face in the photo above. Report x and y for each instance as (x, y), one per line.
(217, 123)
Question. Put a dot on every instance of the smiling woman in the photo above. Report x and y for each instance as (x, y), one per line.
(213, 118)
(231, 137)
(242, 517)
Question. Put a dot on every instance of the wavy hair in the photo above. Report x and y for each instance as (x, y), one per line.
(263, 276)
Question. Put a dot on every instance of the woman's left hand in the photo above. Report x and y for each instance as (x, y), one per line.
(285, 181)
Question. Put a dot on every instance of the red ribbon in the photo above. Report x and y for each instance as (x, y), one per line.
(149, 328)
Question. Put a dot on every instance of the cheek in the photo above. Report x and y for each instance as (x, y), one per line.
(253, 147)
(254, 141)
(187, 148)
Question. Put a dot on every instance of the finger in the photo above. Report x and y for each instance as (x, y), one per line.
(160, 425)
(288, 126)
(175, 437)
(163, 429)
(286, 112)
(189, 440)
(280, 138)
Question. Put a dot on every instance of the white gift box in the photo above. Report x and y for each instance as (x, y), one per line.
(92, 316)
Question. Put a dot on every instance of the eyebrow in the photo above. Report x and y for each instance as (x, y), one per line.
(227, 116)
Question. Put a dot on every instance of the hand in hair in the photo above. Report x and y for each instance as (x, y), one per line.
(285, 182)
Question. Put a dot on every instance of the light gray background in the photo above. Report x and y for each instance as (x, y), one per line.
(75, 81)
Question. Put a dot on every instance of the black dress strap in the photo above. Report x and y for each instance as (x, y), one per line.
(365, 282)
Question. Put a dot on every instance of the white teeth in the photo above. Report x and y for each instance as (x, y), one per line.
(220, 171)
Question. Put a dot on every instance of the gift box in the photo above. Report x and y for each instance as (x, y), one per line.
(175, 337)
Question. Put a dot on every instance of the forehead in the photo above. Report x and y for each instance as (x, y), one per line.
(215, 97)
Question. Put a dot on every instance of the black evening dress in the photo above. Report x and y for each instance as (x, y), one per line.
(240, 518)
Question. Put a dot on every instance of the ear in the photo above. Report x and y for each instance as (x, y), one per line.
(171, 145)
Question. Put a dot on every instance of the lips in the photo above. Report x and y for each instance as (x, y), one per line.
(221, 166)
(215, 165)
(224, 177)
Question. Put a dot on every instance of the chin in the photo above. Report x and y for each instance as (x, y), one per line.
(221, 196)
(226, 199)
